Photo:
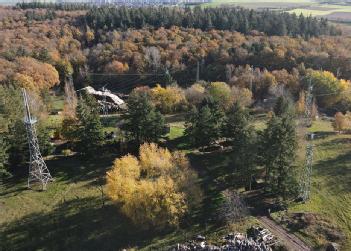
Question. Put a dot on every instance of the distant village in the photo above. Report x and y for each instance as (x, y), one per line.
(130, 2)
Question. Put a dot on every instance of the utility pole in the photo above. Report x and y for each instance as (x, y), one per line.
(104, 102)
(38, 171)
(307, 172)
(198, 71)
(251, 77)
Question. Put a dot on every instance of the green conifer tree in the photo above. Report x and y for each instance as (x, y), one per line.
(90, 128)
(141, 120)
(279, 145)
(242, 135)
(204, 124)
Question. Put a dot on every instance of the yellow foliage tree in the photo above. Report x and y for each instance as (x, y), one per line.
(242, 95)
(24, 81)
(89, 36)
(154, 190)
(327, 86)
(221, 93)
(341, 122)
(300, 105)
(168, 99)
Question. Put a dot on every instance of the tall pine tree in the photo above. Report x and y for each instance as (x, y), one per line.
(141, 120)
(204, 124)
(242, 135)
(279, 145)
(90, 128)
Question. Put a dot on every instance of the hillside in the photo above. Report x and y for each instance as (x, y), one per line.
(74, 207)
(159, 124)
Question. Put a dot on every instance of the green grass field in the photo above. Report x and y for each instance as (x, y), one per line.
(74, 213)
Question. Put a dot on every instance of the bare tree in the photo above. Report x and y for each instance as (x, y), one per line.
(153, 57)
(71, 100)
(233, 208)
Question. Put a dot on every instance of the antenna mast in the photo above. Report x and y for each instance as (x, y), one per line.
(38, 171)
(307, 172)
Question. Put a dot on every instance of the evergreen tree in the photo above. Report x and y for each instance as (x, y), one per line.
(282, 107)
(279, 145)
(90, 129)
(240, 19)
(204, 125)
(3, 156)
(141, 120)
(237, 128)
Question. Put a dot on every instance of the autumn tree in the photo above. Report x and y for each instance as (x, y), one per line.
(155, 190)
(221, 93)
(195, 94)
(65, 69)
(116, 67)
(242, 96)
(341, 122)
(34, 75)
(141, 120)
(300, 104)
(168, 99)
(71, 101)
(325, 82)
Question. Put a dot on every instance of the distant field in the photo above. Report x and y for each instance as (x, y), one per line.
(306, 7)
(262, 4)
(332, 12)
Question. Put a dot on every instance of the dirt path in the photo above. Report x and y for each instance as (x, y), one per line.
(289, 240)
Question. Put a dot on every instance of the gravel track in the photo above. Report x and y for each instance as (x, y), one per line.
(289, 240)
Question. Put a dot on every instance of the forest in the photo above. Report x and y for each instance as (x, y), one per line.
(215, 109)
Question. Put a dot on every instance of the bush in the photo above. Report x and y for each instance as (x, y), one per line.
(67, 152)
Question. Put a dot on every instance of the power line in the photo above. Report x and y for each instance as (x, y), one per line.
(124, 74)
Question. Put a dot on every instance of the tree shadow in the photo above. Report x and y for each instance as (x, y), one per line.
(212, 168)
(179, 143)
(336, 172)
(79, 224)
(76, 168)
(338, 141)
(323, 134)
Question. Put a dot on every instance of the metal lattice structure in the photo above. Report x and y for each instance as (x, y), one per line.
(307, 172)
(38, 171)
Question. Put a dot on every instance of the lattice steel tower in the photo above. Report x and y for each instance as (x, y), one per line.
(38, 171)
(307, 172)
